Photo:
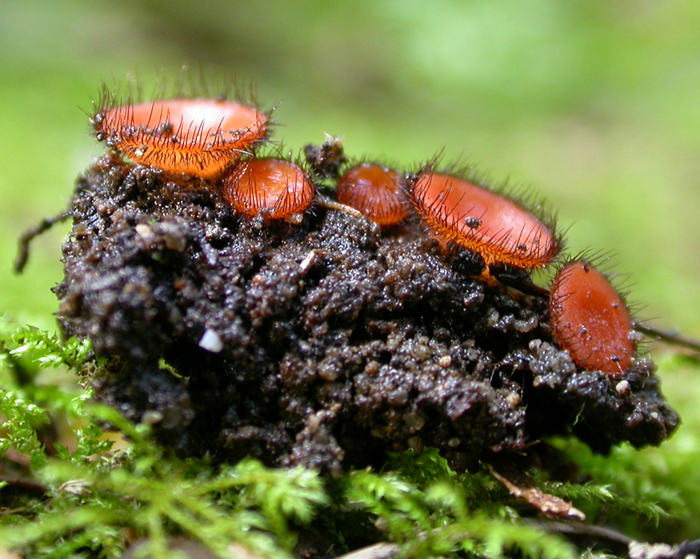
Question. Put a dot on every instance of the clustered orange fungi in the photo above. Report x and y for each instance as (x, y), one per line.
(590, 319)
(472, 217)
(375, 191)
(274, 188)
(216, 141)
(197, 137)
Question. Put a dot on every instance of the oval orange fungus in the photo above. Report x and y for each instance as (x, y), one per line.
(376, 191)
(197, 137)
(590, 319)
(472, 217)
(273, 188)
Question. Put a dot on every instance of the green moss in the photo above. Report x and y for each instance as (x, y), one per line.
(98, 497)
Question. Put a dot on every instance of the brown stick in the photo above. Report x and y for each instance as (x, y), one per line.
(668, 337)
(27, 237)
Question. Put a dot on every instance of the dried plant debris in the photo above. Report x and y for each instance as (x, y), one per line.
(324, 343)
(524, 488)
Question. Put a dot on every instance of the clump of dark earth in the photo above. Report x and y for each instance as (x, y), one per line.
(325, 344)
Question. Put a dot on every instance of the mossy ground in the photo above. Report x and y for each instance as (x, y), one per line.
(92, 499)
(594, 103)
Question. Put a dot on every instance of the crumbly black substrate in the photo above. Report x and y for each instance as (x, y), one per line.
(324, 344)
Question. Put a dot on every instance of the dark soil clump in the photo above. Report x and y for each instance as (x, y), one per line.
(323, 344)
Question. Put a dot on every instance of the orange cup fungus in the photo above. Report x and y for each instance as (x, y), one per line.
(196, 137)
(376, 191)
(590, 319)
(272, 188)
(493, 226)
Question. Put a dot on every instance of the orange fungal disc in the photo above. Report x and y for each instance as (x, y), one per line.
(272, 188)
(196, 137)
(590, 319)
(493, 226)
(376, 191)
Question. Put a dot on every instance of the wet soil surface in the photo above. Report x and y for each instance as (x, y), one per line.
(324, 344)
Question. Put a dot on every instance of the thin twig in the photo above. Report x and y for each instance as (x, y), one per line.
(668, 337)
(580, 529)
(27, 237)
(326, 202)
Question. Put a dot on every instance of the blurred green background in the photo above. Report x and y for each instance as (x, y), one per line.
(593, 103)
